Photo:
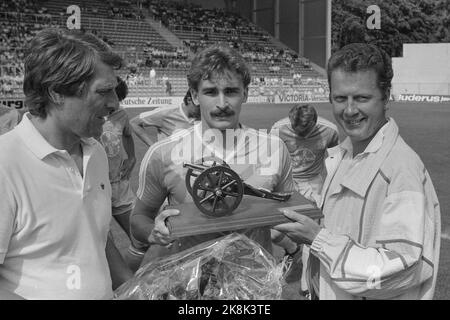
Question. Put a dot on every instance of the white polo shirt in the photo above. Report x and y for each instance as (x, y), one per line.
(53, 221)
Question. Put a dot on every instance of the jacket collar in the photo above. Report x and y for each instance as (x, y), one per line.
(358, 180)
(373, 146)
(333, 157)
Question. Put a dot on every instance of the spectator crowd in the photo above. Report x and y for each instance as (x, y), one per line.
(20, 20)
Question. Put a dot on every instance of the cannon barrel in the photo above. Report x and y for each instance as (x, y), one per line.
(195, 166)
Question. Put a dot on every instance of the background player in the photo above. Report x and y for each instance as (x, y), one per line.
(118, 141)
(166, 120)
(307, 137)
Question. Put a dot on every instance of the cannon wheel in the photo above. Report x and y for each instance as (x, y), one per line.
(192, 174)
(217, 191)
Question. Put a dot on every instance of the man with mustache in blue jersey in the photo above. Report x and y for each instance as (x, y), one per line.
(219, 80)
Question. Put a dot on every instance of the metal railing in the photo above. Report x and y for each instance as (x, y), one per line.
(214, 30)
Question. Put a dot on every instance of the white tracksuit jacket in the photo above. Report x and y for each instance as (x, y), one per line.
(382, 227)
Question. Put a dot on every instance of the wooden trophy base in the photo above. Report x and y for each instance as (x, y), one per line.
(252, 212)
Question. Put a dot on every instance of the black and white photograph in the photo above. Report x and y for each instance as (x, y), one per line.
(224, 150)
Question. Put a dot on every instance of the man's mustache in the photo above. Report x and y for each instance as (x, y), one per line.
(223, 112)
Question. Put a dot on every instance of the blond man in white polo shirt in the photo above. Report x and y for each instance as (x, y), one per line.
(56, 196)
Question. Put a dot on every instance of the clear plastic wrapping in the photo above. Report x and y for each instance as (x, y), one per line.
(228, 268)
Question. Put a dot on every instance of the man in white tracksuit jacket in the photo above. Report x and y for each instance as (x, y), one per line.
(380, 235)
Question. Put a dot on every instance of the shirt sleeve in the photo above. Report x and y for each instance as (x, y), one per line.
(153, 118)
(275, 131)
(400, 258)
(8, 208)
(127, 131)
(152, 191)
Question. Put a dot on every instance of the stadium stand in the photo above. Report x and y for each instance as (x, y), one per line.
(274, 69)
(129, 26)
(20, 20)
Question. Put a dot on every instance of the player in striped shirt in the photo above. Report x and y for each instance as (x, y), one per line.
(166, 120)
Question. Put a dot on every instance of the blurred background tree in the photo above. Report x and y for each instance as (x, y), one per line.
(402, 21)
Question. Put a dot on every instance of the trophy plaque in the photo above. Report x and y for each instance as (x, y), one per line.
(223, 202)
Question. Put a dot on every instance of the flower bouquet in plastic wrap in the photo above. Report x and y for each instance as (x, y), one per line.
(228, 268)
